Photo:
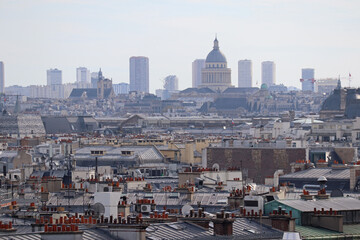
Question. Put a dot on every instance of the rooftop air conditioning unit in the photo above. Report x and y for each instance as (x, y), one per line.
(145, 208)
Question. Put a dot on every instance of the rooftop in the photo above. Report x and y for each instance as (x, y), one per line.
(337, 204)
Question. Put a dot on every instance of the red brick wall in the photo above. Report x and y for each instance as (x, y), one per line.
(281, 224)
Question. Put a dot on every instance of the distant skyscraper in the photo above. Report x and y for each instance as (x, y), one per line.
(245, 73)
(2, 78)
(171, 83)
(83, 75)
(54, 77)
(268, 73)
(139, 74)
(307, 79)
(54, 82)
(197, 66)
(94, 79)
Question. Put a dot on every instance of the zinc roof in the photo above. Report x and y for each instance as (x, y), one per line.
(337, 204)
(242, 229)
(308, 232)
(329, 173)
(145, 153)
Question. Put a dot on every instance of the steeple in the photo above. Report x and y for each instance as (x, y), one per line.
(216, 44)
(100, 76)
(339, 84)
(17, 105)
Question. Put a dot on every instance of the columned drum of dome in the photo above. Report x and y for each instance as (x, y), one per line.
(216, 75)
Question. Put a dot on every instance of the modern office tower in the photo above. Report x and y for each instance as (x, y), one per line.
(171, 83)
(216, 75)
(121, 88)
(326, 85)
(245, 73)
(268, 73)
(83, 75)
(54, 81)
(94, 79)
(54, 77)
(139, 74)
(197, 66)
(307, 79)
(2, 78)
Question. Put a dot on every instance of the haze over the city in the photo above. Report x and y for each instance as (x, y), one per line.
(65, 34)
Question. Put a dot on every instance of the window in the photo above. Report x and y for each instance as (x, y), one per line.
(250, 203)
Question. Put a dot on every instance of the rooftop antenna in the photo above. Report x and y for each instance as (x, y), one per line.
(349, 79)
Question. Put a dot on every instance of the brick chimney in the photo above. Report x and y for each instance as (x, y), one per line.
(282, 221)
(61, 232)
(328, 219)
(223, 224)
(236, 199)
(197, 218)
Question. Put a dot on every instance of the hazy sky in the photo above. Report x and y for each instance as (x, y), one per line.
(36, 35)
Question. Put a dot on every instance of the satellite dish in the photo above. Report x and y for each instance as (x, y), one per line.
(186, 209)
(98, 209)
(216, 166)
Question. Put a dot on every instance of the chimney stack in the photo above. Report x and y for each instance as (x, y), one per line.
(223, 224)
(282, 221)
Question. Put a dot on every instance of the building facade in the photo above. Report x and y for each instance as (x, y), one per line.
(307, 79)
(104, 87)
(139, 74)
(326, 85)
(268, 73)
(216, 75)
(94, 79)
(2, 78)
(121, 88)
(171, 83)
(83, 75)
(54, 77)
(245, 73)
(197, 67)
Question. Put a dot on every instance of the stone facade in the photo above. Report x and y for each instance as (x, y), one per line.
(256, 163)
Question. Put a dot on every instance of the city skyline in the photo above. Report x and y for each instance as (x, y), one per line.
(291, 37)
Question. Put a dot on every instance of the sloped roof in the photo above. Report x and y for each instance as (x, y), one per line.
(315, 173)
(144, 153)
(54, 125)
(242, 229)
(197, 90)
(241, 90)
(78, 93)
(60, 124)
(337, 204)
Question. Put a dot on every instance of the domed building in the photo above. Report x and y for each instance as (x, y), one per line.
(216, 75)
